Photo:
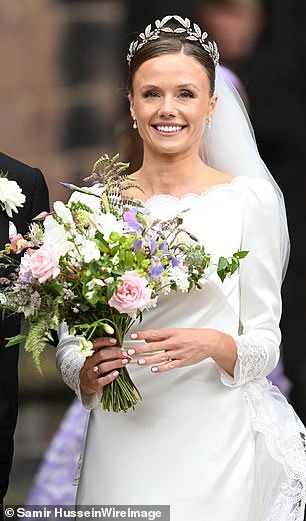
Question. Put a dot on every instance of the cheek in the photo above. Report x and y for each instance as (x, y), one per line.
(144, 115)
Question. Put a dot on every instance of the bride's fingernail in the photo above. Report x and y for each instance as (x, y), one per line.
(131, 351)
(154, 369)
(141, 361)
(112, 341)
(115, 373)
(125, 361)
(133, 336)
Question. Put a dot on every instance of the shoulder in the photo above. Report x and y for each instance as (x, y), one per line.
(255, 188)
(14, 167)
(28, 178)
(260, 203)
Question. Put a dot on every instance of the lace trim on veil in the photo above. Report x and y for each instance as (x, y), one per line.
(284, 435)
(279, 433)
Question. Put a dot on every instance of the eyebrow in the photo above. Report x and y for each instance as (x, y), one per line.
(180, 86)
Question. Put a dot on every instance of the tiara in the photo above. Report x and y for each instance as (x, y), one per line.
(193, 34)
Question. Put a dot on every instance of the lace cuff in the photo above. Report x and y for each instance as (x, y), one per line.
(69, 363)
(252, 361)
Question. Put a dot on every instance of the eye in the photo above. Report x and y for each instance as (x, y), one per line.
(150, 94)
(186, 94)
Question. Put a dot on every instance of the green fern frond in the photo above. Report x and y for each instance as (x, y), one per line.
(40, 331)
(39, 334)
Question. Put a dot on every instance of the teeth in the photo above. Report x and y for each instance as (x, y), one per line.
(168, 128)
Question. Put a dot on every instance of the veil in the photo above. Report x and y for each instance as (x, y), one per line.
(230, 146)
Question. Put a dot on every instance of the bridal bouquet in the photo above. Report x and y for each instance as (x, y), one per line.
(97, 263)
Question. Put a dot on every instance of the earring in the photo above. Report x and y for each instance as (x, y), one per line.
(134, 123)
(208, 123)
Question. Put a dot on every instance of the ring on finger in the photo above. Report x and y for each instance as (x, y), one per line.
(96, 369)
(168, 355)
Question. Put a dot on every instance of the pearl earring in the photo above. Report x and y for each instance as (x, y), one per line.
(134, 123)
(208, 123)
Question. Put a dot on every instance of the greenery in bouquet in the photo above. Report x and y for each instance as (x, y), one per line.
(97, 263)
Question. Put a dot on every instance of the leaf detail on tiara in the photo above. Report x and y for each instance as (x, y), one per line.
(194, 34)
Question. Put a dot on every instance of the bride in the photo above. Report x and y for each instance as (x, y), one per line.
(212, 437)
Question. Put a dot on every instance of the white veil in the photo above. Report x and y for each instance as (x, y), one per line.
(230, 146)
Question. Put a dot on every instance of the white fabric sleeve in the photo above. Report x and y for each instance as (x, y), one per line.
(260, 275)
(69, 362)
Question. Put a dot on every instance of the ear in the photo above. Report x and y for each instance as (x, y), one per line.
(132, 109)
(212, 104)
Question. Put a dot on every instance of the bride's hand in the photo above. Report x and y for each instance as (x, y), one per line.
(102, 367)
(180, 347)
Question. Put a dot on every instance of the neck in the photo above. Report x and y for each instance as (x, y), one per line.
(171, 174)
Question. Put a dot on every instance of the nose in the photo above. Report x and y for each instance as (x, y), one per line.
(167, 108)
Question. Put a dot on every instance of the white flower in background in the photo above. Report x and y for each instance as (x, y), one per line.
(36, 234)
(56, 235)
(108, 329)
(109, 280)
(165, 284)
(90, 251)
(152, 303)
(94, 282)
(108, 223)
(64, 213)
(84, 347)
(11, 196)
(12, 229)
(115, 259)
(180, 277)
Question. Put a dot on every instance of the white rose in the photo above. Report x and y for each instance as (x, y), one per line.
(11, 196)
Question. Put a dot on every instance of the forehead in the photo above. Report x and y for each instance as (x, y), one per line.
(172, 69)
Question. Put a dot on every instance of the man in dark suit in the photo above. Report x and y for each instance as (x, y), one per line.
(33, 186)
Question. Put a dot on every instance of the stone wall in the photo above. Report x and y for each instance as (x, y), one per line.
(61, 70)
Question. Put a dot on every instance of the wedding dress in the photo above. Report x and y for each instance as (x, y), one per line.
(212, 446)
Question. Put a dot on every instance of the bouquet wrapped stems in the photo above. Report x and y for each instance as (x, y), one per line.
(121, 394)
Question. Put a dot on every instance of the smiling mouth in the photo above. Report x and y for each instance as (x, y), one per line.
(170, 129)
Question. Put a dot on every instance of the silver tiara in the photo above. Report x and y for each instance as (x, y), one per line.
(193, 34)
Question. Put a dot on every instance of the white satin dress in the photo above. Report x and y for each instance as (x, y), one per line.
(212, 446)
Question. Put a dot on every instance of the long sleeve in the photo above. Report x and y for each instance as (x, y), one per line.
(260, 285)
(69, 363)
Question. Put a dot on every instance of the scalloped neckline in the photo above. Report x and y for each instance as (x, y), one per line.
(210, 189)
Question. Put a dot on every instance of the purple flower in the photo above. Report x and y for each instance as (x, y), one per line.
(138, 244)
(163, 247)
(175, 262)
(151, 244)
(136, 219)
(156, 267)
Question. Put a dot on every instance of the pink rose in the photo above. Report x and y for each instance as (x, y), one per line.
(19, 243)
(44, 263)
(132, 296)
